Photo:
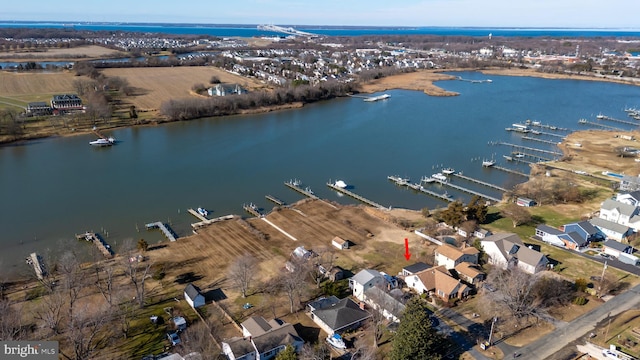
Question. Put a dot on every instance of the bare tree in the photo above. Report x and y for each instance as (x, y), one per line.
(315, 352)
(72, 278)
(200, 338)
(50, 309)
(104, 281)
(11, 326)
(87, 332)
(293, 285)
(518, 214)
(242, 272)
(136, 269)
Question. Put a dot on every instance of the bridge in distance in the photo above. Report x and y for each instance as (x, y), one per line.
(285, 30)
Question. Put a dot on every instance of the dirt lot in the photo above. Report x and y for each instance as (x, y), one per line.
(161, 84)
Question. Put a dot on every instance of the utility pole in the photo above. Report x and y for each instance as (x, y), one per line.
(604, 268)
(493, 322)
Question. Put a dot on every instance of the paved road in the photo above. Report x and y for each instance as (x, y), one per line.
(556, 340)
(470, 326)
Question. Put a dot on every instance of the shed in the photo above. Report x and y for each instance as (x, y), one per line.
(180, 323)
(525, 202)
(193, 296)
(340, 243)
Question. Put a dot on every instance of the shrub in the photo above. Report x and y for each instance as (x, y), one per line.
(580, 300)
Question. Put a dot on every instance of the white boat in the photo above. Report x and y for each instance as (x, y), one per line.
(488, 163)
(103, 142)
(203, 211)
(376, 98)
(448, 171)
(439, 176)
(518, 155)
(341, 184)
(427, 179)
(336, 341)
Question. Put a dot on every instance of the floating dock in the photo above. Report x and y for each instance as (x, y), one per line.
(479, 182)
(166, 230)
(275, 200)
(38, 265)
(295, 185)
(398, 180)
(104, 248)
(469, 191)
(252, 209)
(546, 126)
(197, 215)
(356, 196)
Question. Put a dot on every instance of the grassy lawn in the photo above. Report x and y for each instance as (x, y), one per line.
(624, 332)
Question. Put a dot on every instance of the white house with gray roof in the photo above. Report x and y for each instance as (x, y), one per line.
(507, 249)
(631, 198)
(611, 229)
(261, 340)
(620, 212)
(365, 279)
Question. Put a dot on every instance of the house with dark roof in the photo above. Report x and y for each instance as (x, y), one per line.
(615, 248)
(414, 268)
(576, 236)
(389, 306)
(340, 316)
(612, 230)
(66, 102)
(585, 230)
(262, 340)
(507, 249)
(193, 296)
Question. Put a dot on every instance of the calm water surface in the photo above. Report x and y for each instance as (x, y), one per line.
(52, 189)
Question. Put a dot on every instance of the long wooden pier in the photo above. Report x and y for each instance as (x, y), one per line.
(511, 170)
(294, 185)
(104, 248)
(38, 265)
(530, 148)
(540, 140)
(211, 221)
(479, 182)
(469, 191)
(275, 200)
(197, 215)
(356, 196)
(166, 230)
(603, 117)
(546, 126)
(587, 122)
(417, 187)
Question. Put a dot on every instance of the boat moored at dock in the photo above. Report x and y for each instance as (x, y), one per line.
(488, 163)
(448, 171)
(439, 176)
(202, 211)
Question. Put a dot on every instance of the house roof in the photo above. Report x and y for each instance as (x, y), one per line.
(438, 278)
(323, 302)
(338, 240)
(510, 246)
(609, 225)
(588, 227)
(192, 291)
(385, 300)
(240, 346)
(468, 270)
(419, 266)
(285, 335)
(257, 325)
(341, 314)
(632, 194)
(454, 253)
(548, 229)
(622, 208)
(366, 275)
(616, 245)
(574, 237)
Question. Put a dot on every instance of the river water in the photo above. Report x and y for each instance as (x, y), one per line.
(52, 189)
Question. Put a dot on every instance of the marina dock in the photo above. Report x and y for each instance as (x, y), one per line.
(275, 200)
(587, 122)
(417, 187)
(295, 185)
(377, 98)
(469, 191)
(211, 221)
(479, 182)
(104, 248)
(252, 209)
(398, 180)
(197, 215)
(603, 117)
(38, 265)
(166, 230)
(356, 196)
(518, 147)
(510, 170)
(545, 126)
(549, 142)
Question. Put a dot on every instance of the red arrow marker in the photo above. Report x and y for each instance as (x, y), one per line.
(407, 254)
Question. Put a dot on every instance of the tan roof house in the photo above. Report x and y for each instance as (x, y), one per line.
(469, 273)
(449, 256)
(437, 281)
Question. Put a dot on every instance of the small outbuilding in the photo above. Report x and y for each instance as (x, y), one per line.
(340, 243)
(193, 296)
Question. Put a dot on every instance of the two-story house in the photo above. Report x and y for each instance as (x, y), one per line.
(507, 249)
(450, 256)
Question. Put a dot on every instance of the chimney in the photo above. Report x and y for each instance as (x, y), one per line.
(361, 305)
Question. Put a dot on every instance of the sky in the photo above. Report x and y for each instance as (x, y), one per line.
(418, 13)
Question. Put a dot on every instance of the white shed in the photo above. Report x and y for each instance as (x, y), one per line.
(340, 243)
(193, 296)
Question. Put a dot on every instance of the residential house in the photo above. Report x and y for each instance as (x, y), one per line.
(612, 230)
(337, 316)
(193, 296)
(615, 248)
(39, 108)
(585, 230)
(438, 282)
(262, 340)
(507, 249)
(482, 233)
(469, 273)
(450, 256)
(575, 236)
(549, 235)
(364, 280)
(226, 89)
(414, 268)
(340, 243)
(389, 306)
(631, 198)
(630, 183)
(619, 212)
(66, 102)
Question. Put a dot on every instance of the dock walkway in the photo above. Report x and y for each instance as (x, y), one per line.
(469, 191)
(275, 200)
(197, 215)
(417, 187)
(356, 196)
(252, 209)
(294, 185)
(516, 146)
(540, 140)
(104, 248)
(211, 221)
(603, 117)
(511, 170)
(166, 230)
(586, 122)
(479, 182)
(38, 265)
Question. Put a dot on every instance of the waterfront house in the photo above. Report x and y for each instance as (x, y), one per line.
(631, 198)
(226, 89)
(615, 248)
(450, 256)
(414, 268)
(612, 230)
(193, 296)
(438, 282)
(364, 280)
(507, 249)
(66, 102)
(39, 108)
(340, 243)
(262, 340)
(338, 316)
(630, 183)
(619, 212)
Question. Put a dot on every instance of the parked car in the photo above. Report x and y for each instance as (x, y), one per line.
(606, 256)
(174, 338)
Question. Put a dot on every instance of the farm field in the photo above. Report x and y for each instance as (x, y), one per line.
(59, 54)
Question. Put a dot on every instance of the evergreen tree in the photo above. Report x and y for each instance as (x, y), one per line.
(416, 339)
(289, 353)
